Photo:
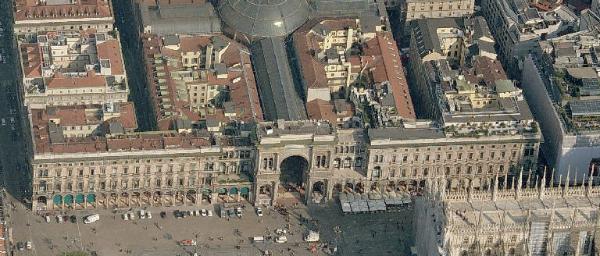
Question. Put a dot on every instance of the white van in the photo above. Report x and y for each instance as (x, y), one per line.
(91, 218)
(258, 239)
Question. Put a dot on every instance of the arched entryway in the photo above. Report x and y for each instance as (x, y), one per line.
(68, 200)
(245, 193)
(293, 169)
(291, 178)
(91, 199)
(264, 195)
(42, 203)
(191, 196)
(318, 192)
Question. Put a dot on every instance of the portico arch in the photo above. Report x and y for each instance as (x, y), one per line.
(292, 177)
(292, 170)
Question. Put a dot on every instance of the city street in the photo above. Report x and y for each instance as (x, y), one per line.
(13, 153)
(126, 23)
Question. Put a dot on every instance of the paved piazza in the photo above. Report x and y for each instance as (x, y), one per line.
(366, 234)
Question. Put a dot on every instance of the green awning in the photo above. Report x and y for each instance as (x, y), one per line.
(222, 191)
(57, 200)
(206, 191)
(68, 199)
(233, 191)
(245, 191)
(79, 198)
(91, 198)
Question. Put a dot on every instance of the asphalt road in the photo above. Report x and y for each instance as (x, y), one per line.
(126, 23)
(13, 141)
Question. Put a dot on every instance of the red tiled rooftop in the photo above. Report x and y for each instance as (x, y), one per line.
(395, 74)
(380, 56)
(128, 117)
(72, 116)
(111, 50)
(91, 80)
(243, 92)
(32, 60)
(319, 109)
(193, 43)
(82, 9)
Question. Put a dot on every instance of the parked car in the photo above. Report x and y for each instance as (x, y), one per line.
(73, 219)
(210, 213)
(148, 215)
(131, 215)
(259, 212)
(59, 219)
(204, 212)
(258, 239)
(178, 214)
(125, 216)
(91, 218)
(281, 239)
(142, 214)
(188, 242)
(163, 215)
(238, 212)
(29, 245)
(20, 246)
(47, 218)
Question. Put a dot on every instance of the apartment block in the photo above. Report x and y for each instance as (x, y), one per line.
(357, 62)
(519, 27)
(34, 16)
(424, 9)
(466, 92)
(62, 68)
(561, 83)
(193, 78)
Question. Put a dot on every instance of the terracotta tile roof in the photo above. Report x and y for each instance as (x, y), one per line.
(240, 79)
(91, 80)
(339, 24)
(193, 43)
(379, 55)
(31, 55)
(127, 116)
(489, 70)
(82, 9)
(79, 145)
(313, 72)
(73, 116)
(111, 50)
(244, 97)
(319, 109)
(395, 74)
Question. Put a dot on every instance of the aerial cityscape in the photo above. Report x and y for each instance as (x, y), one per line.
(299, 127)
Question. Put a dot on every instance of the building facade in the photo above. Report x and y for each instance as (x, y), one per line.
(527, 218)
(162, 177)
(422, 9)
(518, 27)
(32, 17)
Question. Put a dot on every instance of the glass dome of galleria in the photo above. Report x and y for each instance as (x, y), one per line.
(264, 18)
